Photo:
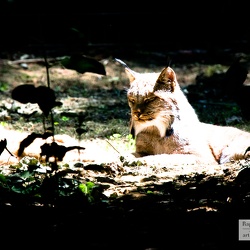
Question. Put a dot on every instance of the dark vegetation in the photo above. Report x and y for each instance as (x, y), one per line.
(54, 205)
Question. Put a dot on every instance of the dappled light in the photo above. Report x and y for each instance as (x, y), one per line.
(72, 173)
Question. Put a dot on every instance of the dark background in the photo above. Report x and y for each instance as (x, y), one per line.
(27, 25)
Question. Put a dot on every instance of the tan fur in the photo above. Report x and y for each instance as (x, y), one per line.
(164, 123)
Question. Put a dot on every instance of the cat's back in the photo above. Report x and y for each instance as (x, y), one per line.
(226, 142)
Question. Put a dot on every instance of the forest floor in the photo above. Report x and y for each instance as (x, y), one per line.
(132, 205)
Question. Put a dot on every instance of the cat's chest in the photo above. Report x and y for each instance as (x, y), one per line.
(139, 126)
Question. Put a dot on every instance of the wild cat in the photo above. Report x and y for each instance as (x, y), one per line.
(166, 126)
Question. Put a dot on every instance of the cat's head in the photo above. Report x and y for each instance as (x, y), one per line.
(150, 94)
(165, 81)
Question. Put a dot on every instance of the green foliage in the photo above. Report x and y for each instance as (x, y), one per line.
(2, 123)
(87, 189)
(130, 142)
(3, 86)
(64, 118)
(41, 184)
(126, 143)
(31, 182)
(214, 69)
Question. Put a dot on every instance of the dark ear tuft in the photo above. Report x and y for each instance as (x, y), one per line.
(130, 73)
(166, 80)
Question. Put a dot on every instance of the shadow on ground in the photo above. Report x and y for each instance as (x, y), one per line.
(197, 211)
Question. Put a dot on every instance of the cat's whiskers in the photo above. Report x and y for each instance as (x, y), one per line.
(160, 123)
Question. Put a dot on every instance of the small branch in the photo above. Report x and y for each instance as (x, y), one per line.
(47, 69)
(112, 146)
(35, 60)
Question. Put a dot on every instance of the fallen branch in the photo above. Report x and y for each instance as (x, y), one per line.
(35, 60)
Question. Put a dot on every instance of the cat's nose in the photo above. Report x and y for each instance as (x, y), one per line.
(137, 113)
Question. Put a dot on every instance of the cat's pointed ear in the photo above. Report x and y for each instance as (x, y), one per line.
(131, 74)
(166, 80)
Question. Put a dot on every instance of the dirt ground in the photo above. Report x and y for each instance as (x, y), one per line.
(142, 206)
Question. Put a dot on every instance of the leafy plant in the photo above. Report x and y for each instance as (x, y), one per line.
(126, 142)
(214, 69)
(45, 97)
(3, 86)
(33, 183)
(83, 64)
(130, 142)
(87, 189)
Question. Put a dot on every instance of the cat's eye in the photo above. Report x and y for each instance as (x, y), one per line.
(132, 100)
(147, 100)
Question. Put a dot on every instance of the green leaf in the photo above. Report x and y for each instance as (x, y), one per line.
(65, 118)
(83, 64)
(90, 185)
(25, 174)
(116, 136)
(87, 187)
(83, 188)
(3, 178)
(17, 189)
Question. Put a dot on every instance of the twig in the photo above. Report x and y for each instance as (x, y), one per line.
(35, 60)
(112, 146)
